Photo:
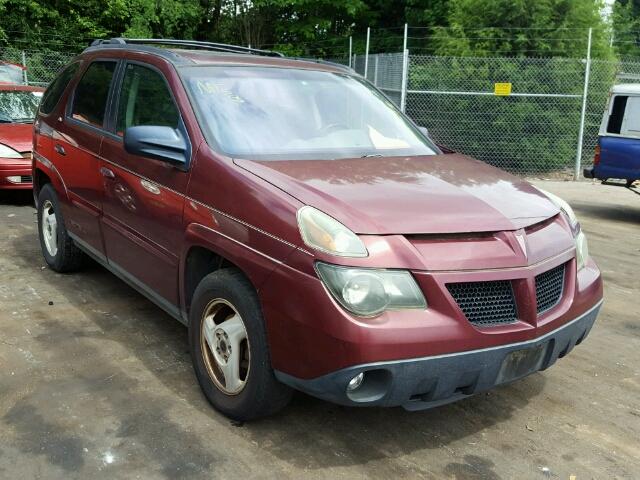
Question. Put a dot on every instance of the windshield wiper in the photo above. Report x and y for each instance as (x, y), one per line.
(371, 155)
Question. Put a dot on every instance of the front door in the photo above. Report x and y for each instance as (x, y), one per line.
(143, 197)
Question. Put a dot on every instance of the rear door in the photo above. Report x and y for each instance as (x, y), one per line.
(76, 150)
(143, 197)
(620, 146)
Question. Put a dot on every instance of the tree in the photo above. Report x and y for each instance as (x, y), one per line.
(626, 27)
(545, 28)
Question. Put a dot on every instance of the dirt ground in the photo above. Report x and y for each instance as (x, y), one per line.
(96, 382)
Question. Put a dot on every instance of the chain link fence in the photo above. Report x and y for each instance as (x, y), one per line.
(42, 64)
(533, 131)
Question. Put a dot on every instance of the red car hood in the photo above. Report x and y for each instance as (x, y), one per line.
(410, 195)
(18, 136)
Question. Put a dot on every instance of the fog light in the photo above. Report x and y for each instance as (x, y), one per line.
(355, 382)
(15, 179)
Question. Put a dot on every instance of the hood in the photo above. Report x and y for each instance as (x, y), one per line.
(437, 194)
(18, 136)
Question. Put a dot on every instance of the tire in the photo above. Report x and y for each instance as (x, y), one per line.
(219, 296)
(66, 256)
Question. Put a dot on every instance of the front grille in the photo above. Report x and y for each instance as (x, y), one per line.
(549, 286)
(485, 303)
(26, 179)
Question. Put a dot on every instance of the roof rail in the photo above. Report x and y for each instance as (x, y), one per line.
(323, 62)
(218, 47)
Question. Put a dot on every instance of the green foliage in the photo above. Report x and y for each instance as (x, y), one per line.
(547, 28)
(626, 27)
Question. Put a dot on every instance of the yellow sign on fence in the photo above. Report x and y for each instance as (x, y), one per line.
(502, 89)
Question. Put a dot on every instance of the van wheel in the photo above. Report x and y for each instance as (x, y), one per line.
(229, 348)
(58, 249)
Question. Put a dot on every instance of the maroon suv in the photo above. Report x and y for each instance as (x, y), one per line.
(307, 232)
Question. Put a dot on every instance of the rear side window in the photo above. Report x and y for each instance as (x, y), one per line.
(145, 99)
(631, 122)
(90, 98)
(617, 114)
(57, 87)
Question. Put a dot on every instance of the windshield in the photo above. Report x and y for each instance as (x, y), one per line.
(18, 106)
(10, 73)
(277, 113)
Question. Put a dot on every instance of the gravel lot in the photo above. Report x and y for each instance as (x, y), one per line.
(96, 382)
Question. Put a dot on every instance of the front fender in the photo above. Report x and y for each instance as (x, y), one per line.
(255, 252)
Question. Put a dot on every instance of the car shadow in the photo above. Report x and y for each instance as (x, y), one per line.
(310, 433)
(16, 197)
(616, 213)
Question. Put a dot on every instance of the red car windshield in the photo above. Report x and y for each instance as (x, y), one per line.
(18, 106)
(10, 73)
(286, 113)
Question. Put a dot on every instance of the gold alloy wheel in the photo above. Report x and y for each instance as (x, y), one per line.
(225, 346)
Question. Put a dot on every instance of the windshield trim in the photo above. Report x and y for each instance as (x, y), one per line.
(214, 144)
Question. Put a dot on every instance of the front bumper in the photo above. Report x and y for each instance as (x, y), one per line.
(15, 176)
(421, 383)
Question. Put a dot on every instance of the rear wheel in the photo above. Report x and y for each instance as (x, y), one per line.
(58, 249)
(229, 348)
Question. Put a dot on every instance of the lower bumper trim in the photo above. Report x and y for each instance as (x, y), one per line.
(428, 382)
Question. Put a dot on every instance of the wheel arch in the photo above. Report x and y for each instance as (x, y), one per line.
(207, 250)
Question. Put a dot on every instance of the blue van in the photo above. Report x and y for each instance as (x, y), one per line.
(618, 149)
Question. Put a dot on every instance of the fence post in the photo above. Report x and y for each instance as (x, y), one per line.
(350, 50)
(24, 64)
(366, 57)
(405, 70)
(375, 70)
(585, 94)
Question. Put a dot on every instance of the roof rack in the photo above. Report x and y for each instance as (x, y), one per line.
(323, 62)
(218, 47)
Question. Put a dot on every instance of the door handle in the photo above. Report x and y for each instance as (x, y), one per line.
(150, 187)
(59, 149)
(107, 173)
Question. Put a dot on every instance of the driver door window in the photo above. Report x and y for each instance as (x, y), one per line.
(145, 100)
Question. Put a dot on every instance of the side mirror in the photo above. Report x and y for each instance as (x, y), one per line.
(424, 131)
(161, 143)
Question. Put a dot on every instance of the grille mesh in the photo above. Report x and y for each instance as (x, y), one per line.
(26, 179)
(485, 303)
(549, 286)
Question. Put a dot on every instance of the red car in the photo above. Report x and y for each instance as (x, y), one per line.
(18, 106)
(309, 235)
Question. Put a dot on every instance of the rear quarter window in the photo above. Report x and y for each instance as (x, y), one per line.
(57, 87)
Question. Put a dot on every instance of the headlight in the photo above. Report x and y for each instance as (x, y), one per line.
(8, 152)
(582, 249)
(367, 292)
(321, 232)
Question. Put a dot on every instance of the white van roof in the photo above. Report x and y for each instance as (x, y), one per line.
(630, 88)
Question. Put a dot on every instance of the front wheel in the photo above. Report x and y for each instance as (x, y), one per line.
(229, 348)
